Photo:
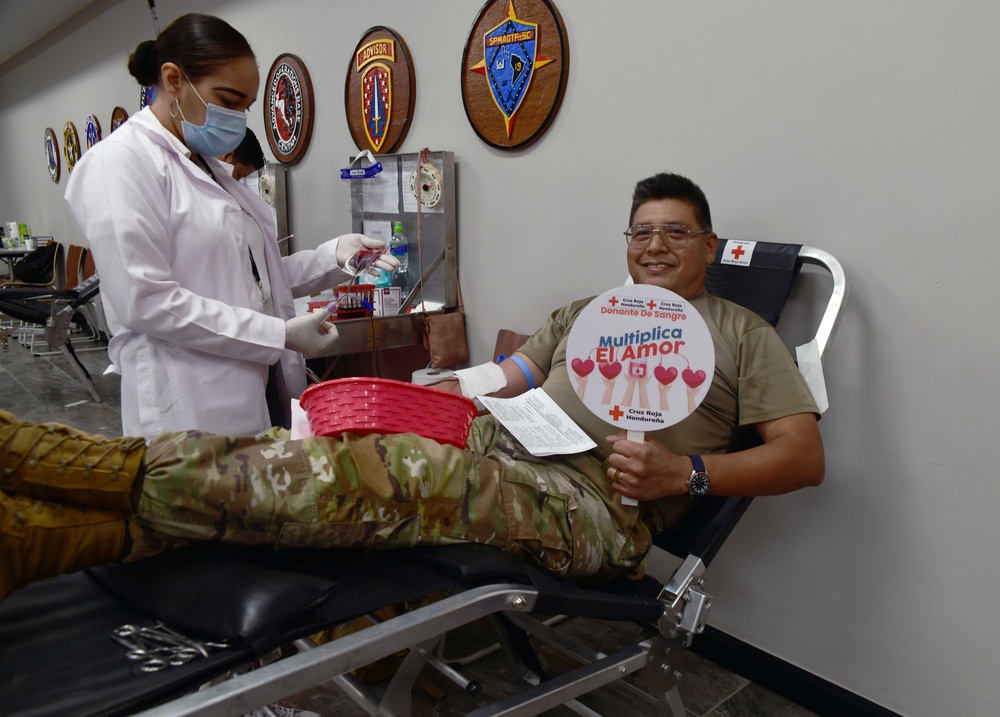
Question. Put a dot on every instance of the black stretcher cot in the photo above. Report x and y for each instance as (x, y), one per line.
(56, 657)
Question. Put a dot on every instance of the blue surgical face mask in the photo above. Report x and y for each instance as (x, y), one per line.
(222, 132)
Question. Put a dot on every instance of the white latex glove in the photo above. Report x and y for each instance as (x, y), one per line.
(311, 335)
(350, 244)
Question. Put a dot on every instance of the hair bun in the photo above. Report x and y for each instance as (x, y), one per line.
(142, 65)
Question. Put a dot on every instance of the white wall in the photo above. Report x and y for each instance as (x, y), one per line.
(868, 129)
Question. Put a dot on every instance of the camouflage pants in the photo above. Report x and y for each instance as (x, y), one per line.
(389, 491)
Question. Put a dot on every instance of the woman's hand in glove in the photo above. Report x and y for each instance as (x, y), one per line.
(350, 244)
(311, 335)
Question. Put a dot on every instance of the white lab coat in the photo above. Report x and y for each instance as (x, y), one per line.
(188, 336)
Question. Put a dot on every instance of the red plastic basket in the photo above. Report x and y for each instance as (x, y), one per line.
(382, 405)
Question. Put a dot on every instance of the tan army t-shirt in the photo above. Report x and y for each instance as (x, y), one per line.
(755, 380)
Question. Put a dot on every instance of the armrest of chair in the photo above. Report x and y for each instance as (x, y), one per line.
(838, 297)
(24, 292)
(703, 529)
(85, 291)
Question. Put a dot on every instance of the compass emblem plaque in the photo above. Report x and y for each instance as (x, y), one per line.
(288, 112)
(380, 91)
(514, 71)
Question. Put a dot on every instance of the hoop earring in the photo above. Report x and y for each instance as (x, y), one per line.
(174, 103)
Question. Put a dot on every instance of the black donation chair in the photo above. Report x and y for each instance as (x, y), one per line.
(57, 312)
(55, 634)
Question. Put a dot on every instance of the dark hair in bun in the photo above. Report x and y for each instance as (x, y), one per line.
(142, 64)
(196, 43)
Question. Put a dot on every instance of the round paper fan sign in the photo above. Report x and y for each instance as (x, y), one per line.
(640, 357)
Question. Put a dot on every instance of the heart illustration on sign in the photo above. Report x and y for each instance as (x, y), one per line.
(583, 368)
(665, 376)
(610, 370)
(693, 378)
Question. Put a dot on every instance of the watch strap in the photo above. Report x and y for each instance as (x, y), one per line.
(698, 463)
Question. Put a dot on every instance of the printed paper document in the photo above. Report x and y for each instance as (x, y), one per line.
(538, 423)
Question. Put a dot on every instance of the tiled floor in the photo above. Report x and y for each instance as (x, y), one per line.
(706, 689)
(46, 389)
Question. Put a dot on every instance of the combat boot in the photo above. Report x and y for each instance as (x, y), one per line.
(52, 462)
(40, 540)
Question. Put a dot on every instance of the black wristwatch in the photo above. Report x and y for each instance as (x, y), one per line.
(698, 483)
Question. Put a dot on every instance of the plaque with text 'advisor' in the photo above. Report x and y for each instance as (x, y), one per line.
(380, 91)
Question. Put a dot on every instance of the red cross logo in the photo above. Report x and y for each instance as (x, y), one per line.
(651, 304)
(616, 413)
(738, 252)
(613, 301)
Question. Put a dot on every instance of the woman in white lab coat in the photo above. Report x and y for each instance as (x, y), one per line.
(196, 293)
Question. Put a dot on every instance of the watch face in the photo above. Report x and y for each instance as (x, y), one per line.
(698, 483)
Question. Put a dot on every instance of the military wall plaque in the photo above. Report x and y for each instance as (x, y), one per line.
(71, 145)
(288, 109)
(118, 118)
(380, 91)
(52, 154)
(93, 130)
(147, 94)
(514, 71)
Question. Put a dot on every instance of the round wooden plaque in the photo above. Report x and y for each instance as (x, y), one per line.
(52, 154)
(71, 146)
(514, 71)
(288, 111)
(147, 94)
(380, 91)
(93, 130)
(118, 118)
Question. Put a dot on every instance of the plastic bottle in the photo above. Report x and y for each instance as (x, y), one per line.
(400, 248)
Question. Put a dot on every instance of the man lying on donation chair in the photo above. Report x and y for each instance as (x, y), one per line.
(69, 501)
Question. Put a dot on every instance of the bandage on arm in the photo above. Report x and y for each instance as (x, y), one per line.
(481, 380)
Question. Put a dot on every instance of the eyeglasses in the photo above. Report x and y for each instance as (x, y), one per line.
(673, 236)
